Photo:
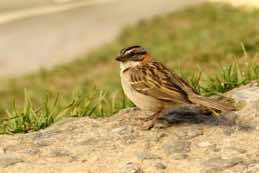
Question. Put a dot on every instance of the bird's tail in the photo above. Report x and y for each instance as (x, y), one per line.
(212, 103)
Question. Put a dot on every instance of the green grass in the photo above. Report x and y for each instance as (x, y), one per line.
(230, 77)
(32, 117)
(217, 39)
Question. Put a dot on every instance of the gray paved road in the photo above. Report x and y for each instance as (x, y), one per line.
(50, 39)
(13, 5)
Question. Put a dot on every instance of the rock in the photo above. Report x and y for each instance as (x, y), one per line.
(247, 126)
(58, 152)
(254, 168)
(179, 156)
(248, 95)
(194, 133)
(89, 141)
(160, 136)
(160, 165)
(125, 134)
(204, 144)
(147, 156)
(228, 131)
(40, 143)
(177, 147)
(158, 171)
(240, 150)
(123, 131)
(45, 134)
(9, 161)
(189, 133)
(132, 168)
(2, 151)
(214, 148)
(31, 151)
(221, 164)
(117, 144)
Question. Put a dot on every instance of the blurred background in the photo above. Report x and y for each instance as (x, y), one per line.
(57, 56)
(43, 33)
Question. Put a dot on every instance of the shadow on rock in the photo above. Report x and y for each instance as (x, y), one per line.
(192, 115)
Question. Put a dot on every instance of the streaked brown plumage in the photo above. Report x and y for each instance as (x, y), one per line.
(151, 86)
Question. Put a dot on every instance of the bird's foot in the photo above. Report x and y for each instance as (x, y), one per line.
(146, 118)
(148, 125)
(150, 121)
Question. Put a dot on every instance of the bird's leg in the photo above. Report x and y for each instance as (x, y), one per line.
(146, 118)
(149, 124)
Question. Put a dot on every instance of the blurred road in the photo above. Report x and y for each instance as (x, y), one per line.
(249, 3)
(44, 33)
(13, 5)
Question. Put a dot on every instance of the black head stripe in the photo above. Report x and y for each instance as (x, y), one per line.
(123, 51)
(129, 48)
(141, 53)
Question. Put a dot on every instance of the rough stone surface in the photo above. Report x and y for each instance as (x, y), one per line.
(8, 161)
(118, 145)
(221, 164)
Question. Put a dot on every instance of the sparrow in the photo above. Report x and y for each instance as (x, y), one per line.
(153, 88)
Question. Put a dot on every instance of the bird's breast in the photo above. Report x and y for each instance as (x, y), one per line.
(144, 102)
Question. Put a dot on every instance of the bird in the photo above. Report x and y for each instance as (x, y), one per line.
(153, 88)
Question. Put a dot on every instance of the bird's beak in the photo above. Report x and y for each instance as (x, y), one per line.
(121, 58)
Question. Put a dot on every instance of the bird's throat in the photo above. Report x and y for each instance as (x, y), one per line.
(125, 66)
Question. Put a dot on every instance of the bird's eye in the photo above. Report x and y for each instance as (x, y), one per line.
(131, 53)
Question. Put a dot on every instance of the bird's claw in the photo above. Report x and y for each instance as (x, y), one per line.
(145, 118)
(148, 125)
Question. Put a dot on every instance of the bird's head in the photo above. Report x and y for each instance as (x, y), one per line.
(132, 56)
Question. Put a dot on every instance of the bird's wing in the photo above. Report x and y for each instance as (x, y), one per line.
(155, 80)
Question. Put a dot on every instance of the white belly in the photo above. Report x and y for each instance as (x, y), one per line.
(142, 101)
